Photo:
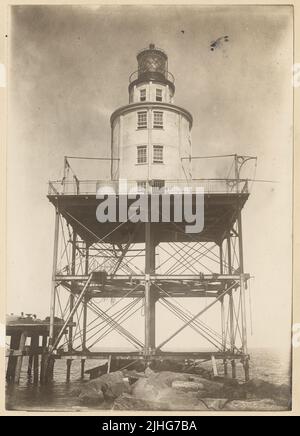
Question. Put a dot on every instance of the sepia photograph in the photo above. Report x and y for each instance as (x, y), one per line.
(149, 208)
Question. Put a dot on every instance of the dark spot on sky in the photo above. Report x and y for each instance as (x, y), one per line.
(182, 31)
(219, 42)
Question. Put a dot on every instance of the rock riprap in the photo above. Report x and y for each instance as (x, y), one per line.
(167, 390)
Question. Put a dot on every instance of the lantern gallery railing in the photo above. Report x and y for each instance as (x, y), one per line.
(91, 187)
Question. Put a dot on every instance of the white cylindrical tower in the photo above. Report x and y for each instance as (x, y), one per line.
(151, 135)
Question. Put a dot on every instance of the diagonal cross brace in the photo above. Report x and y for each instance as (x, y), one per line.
(196, 316)
(194, 327)
(75, 307)
(118, 327)
(186, 316)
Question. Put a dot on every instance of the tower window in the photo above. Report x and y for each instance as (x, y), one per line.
(143, 95)
(158, 94)
(142, 120)
(158, 120)
(142, 154)
(158, 154)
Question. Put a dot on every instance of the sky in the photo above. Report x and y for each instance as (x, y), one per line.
(69, 69)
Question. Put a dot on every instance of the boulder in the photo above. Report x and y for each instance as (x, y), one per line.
(167, 378)
(168, 399)
(179, 391)
(166, 402)
(187, 386)
(146, 389)
(150, 388)
(114, 390)
(91, 397)
(107, 387)
(265, 405)
(128, 402)
(178, 400)
(213, 389)
(133, 376)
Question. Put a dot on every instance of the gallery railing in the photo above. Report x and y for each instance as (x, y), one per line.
(91, 187)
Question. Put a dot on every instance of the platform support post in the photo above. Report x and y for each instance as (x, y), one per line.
(53, 288)
(49, 361)
(49, 368)
(243, 300)
(225, 363)
(214, 366)
(82, 368)
(70, 336)
(109, 364)
(223, 317)
(69, 365)
(244, 315)
(43, 359)
(73, 271)
(223, 322)
(231, 309)
(233, 367)
(85, 300)
(150, 299)
(34, 348)
(247, 369)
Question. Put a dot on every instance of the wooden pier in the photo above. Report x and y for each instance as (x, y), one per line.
(36, 332)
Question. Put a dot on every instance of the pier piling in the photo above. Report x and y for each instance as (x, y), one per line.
(12, 360)
(22, 343)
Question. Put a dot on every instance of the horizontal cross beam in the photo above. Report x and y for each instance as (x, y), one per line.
(184, 277)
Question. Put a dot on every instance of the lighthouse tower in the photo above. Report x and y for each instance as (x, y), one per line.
(151, 135)
(145, 267)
